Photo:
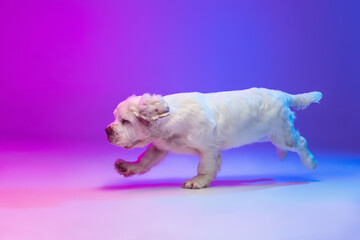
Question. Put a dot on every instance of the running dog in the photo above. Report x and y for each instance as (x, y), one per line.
(205, 124)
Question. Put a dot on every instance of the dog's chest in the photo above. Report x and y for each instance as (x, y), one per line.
(175, 144)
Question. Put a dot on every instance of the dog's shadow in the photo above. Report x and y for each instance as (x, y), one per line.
(220, 182)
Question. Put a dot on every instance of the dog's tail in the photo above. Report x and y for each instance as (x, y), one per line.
(302, 101)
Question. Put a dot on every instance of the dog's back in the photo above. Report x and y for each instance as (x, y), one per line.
(235, 117)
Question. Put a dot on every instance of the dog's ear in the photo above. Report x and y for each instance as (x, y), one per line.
(152, 107)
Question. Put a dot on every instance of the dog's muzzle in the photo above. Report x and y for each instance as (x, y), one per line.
(109, 131)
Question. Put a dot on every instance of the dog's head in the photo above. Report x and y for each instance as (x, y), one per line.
(134, 119)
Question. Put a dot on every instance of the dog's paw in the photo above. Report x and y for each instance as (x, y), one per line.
(124, 168)
(309, 162)
(197, 182)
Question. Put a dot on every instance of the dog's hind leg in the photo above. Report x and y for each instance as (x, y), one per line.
(305, 155)
(285, 137)
(291, 140)
(209, 164)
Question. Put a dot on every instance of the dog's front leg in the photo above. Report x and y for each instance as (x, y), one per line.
(145, 162)
(207, 169)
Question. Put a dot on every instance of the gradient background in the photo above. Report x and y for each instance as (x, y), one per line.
(65, 65)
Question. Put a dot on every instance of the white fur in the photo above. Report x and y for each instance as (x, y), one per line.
(205, 124)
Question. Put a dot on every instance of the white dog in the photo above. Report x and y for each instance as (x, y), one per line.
(205, 124)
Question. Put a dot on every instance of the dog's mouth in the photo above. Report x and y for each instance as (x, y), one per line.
(115, 142)
(133, 144)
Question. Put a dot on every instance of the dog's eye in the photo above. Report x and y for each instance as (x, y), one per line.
(124, 121)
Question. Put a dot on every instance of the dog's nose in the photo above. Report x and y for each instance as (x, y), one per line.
(109, 130)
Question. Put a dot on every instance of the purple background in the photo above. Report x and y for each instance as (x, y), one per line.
(64, 65)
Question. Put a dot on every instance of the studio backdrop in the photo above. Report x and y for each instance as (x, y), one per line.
(66, 64)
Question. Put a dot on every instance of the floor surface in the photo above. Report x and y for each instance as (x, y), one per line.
(58, 191)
